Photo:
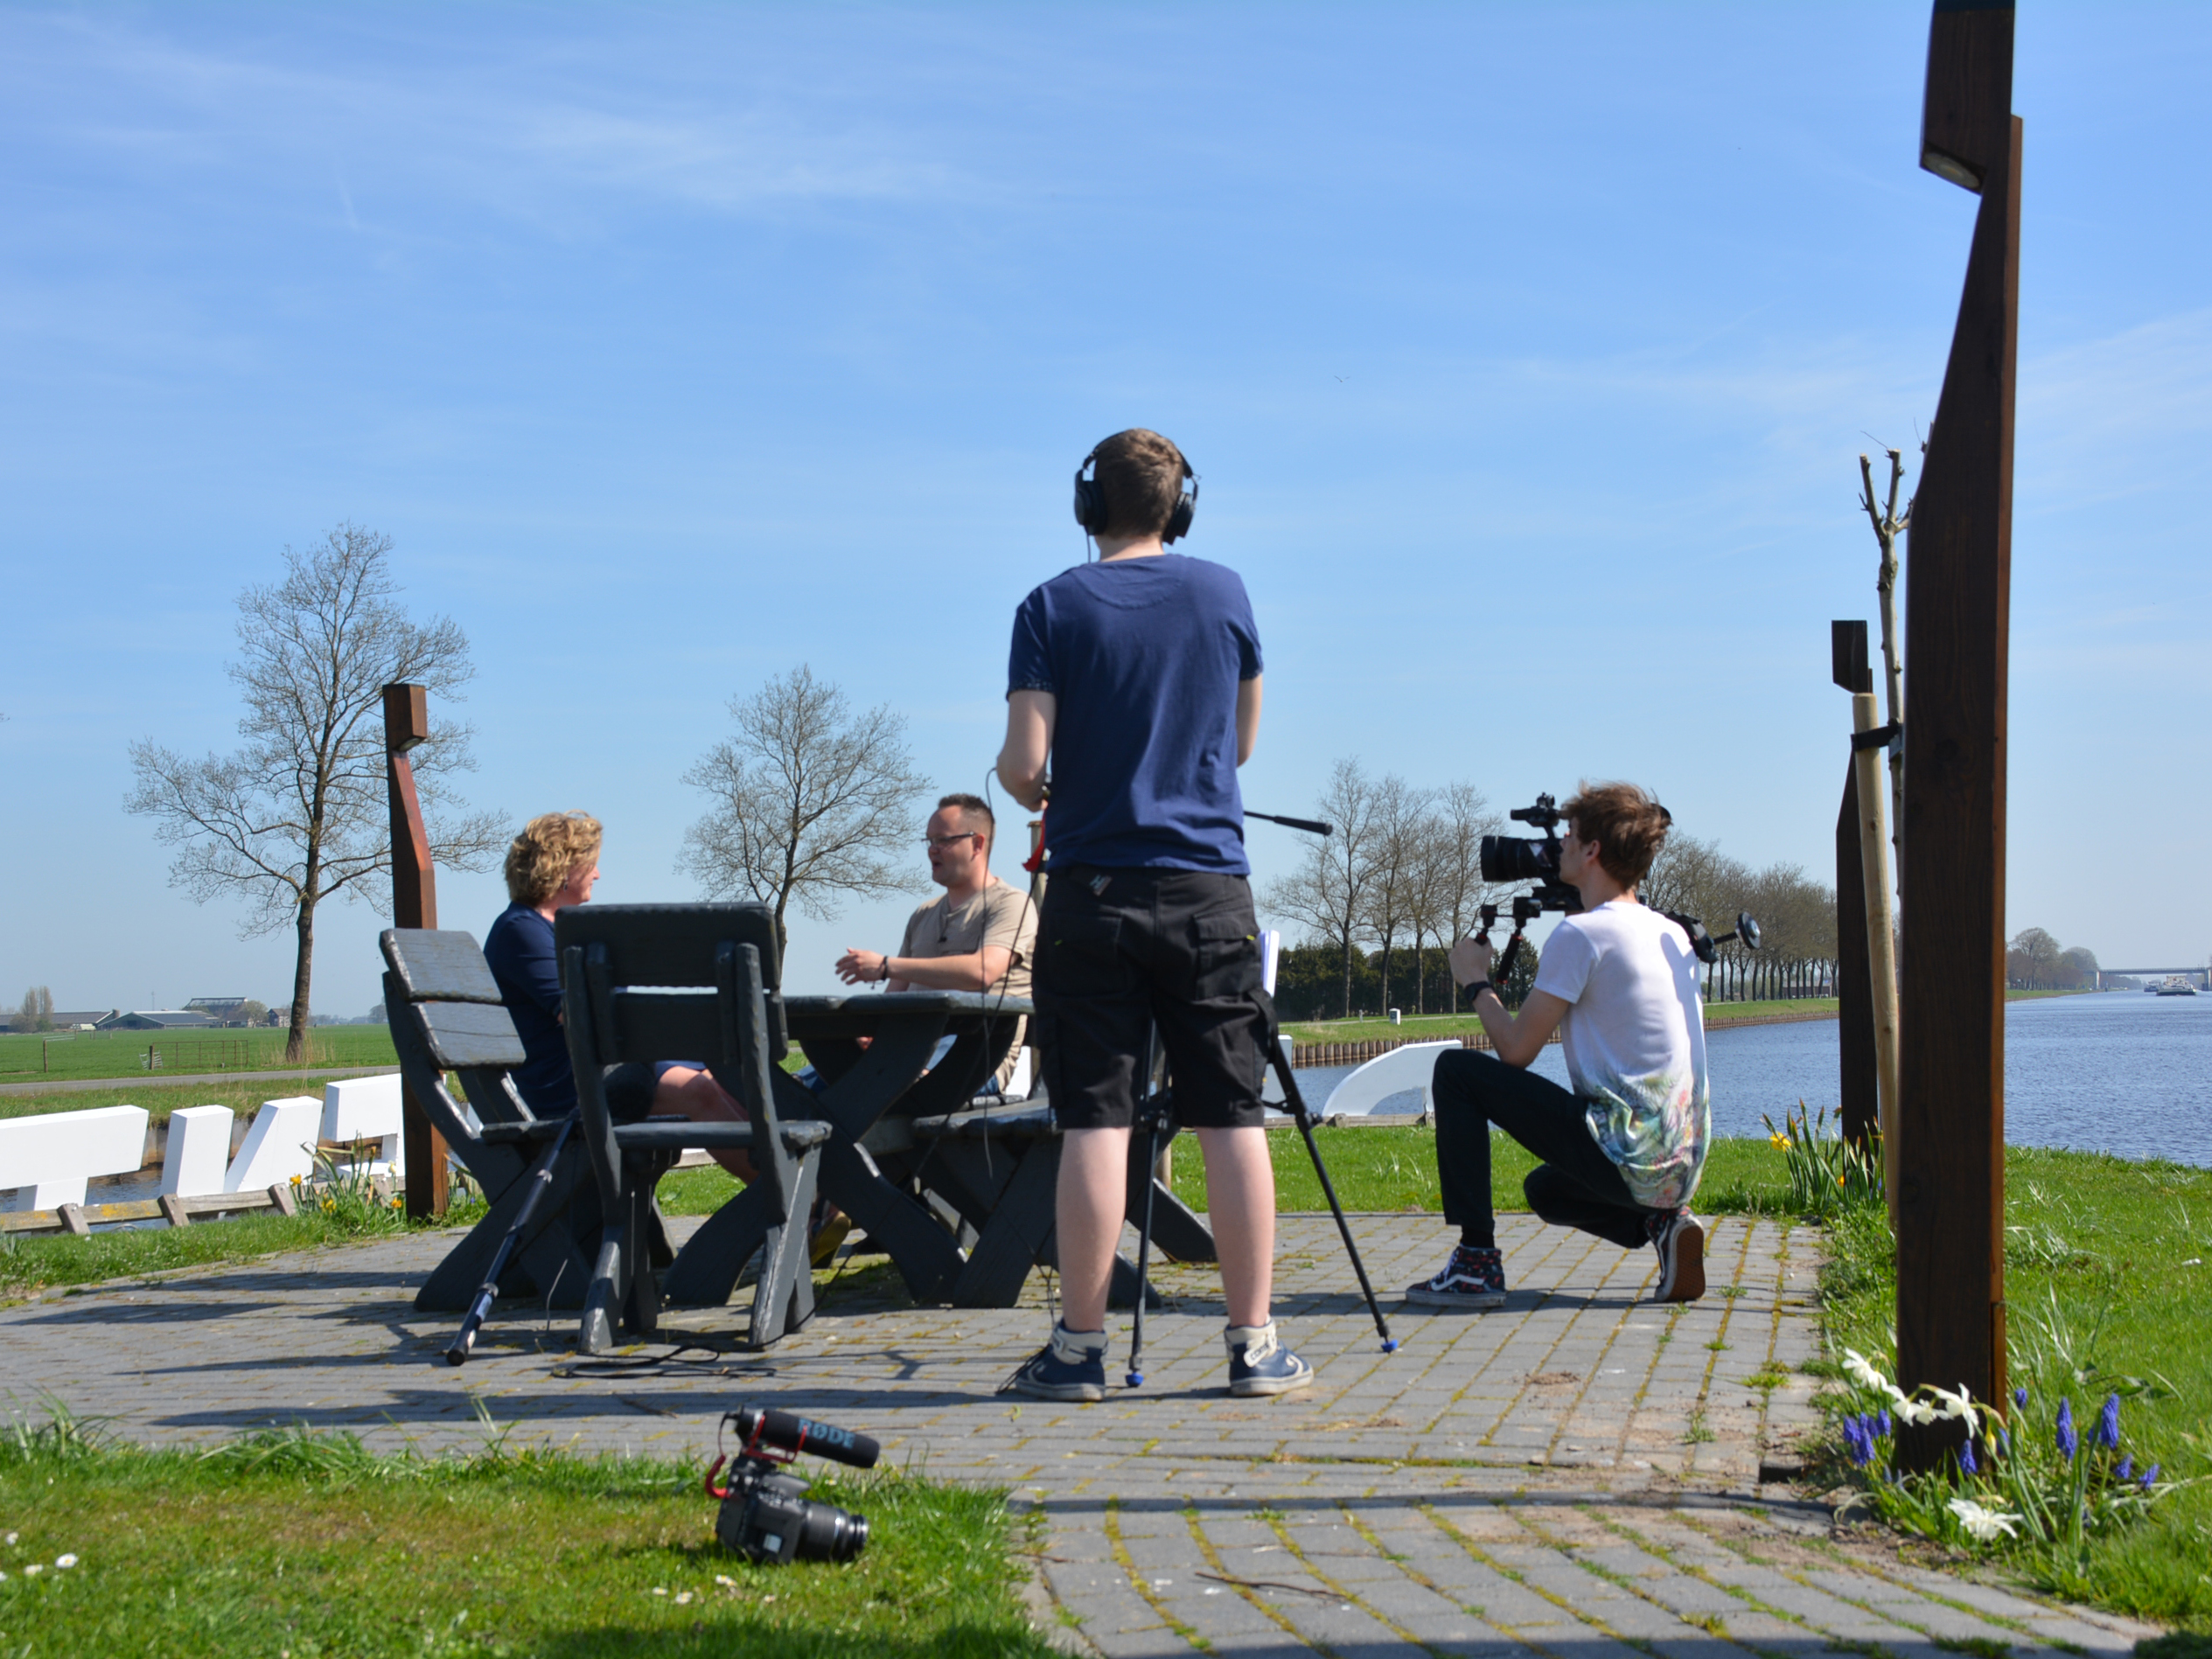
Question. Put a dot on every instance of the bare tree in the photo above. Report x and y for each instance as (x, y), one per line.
(299, 814)
(1890, 524)
(1328, 895)
(1395, 840)
(35, 1013)
(1463, 819)
(808, 803)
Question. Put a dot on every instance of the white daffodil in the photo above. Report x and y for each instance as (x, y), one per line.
(1983, 1525)
(1913, 1410)
(1950, 1405)
(1863, 1370)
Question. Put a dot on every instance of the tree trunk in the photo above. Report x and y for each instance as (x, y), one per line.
(303, 979)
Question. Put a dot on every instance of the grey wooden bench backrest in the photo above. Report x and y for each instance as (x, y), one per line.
(453, 1005)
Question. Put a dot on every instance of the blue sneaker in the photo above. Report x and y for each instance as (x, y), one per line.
(1070, 1367)
(1258, 1363)
(1472, 1278)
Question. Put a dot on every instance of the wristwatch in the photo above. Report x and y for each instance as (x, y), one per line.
(1477, 988)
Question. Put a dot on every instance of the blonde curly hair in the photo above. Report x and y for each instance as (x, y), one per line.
(550, 846)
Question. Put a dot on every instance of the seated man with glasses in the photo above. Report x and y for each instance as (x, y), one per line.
(979, 937)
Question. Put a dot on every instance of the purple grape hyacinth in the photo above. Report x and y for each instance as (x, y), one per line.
(2150, 1478)
(2108, 1424)
(1859, 1440)
(2125, 1471)
(2068, 1441)
(2019, 1397)
(1966, 1464)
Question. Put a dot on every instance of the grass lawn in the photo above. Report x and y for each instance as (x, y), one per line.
(2114, 1260)
(1430, 1027)
(25, 1057)
(30, 1263)
(292, 1545)
(244, 1098)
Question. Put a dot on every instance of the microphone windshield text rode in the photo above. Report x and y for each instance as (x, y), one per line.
(788, 1433)
(766, 1513)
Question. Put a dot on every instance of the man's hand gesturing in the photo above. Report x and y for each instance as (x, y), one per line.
(861, 967)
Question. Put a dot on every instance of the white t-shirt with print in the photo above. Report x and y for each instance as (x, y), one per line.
(1635, 1039)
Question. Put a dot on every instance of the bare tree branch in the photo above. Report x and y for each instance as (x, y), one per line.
(299, 814)
(807, 804)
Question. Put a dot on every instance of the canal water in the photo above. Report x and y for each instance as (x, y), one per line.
(2123, 1071)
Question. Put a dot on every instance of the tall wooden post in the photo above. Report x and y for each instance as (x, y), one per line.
(415, 903)
(1951, 1238)
(1854, 989)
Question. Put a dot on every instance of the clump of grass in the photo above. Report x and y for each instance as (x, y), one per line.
(2132, 1326)
(311, 1541)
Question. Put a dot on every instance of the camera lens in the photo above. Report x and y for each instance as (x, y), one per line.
(1512, 858)
(829, 1533)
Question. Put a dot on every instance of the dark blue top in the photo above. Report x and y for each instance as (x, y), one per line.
(519, 949)
(1144, 656)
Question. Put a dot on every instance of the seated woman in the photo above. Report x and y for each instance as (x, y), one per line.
(554, 863)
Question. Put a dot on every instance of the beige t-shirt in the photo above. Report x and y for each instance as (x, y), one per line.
(998, 915)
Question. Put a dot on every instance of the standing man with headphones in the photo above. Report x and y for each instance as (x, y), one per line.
(1138, 678)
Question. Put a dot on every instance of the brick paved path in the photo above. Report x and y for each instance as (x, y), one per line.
(1581, 1472)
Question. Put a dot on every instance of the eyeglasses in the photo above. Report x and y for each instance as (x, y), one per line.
(948, 841)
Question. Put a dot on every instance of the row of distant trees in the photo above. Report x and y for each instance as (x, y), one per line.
(2036, 961)
(1797, 917)
(1382, 899)
(35, 1013)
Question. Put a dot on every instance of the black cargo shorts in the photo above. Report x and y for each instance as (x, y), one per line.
(1119, 951)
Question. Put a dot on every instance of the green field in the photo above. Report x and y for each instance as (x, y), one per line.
(160, 1099)
(1427, 1028)
(24, 1057)
(306, 1545)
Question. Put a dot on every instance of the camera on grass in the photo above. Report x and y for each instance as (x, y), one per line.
(766, 1513)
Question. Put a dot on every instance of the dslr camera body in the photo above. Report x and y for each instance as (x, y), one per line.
(766, 1513)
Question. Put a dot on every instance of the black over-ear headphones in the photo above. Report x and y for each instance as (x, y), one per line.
(1090, 501)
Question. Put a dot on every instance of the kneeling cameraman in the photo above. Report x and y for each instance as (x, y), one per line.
(1623, 1152)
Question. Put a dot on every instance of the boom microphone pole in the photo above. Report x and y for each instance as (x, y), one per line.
(540, 1178)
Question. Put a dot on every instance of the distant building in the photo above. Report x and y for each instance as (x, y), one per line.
(221, 1010)
(78, 1019)
(155, 1020)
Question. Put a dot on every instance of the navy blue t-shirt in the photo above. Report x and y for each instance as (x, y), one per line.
(519, 949)
(1144, 657)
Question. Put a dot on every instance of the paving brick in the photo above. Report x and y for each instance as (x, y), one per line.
(1391, 1478)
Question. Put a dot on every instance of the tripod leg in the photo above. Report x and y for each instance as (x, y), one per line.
(1296, 1102)
(1144, 1227)
(1144, 1260)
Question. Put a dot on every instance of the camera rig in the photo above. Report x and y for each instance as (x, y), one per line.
(1515, 858)
(765, 1515)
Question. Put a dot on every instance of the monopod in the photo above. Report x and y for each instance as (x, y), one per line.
(540, 1178)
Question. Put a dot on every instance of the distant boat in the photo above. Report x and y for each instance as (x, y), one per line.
(2175, 986)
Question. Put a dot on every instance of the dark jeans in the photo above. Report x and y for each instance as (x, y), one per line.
(1575, 1186)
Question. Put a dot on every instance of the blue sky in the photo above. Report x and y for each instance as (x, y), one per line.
(1525, 353)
